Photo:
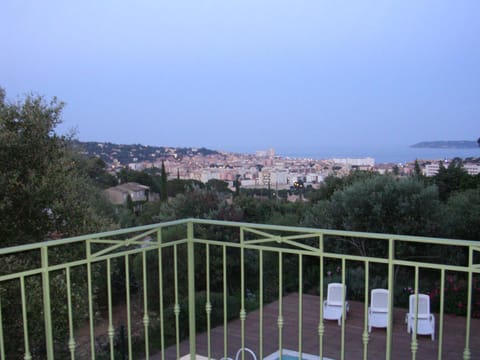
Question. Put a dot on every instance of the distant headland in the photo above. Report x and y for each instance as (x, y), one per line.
(460, 144)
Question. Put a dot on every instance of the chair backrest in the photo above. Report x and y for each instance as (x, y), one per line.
(379, 300)
(336, 294)
(423, 305)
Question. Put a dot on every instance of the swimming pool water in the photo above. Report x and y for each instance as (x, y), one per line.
(293, 355)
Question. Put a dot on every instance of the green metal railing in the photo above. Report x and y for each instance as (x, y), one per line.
(54, 294)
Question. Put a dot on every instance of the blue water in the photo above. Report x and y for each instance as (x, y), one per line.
(382, 154)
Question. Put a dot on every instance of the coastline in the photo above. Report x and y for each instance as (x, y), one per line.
(386, 154)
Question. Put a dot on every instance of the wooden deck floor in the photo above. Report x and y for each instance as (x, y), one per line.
(453, 341)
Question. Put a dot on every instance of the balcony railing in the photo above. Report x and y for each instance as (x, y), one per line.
(138, 292)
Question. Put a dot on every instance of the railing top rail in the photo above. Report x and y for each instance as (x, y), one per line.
(306, 230)
(70, 240)
(343, 233)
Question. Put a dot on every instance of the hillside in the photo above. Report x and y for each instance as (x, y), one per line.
(460, 144)
(126, 154)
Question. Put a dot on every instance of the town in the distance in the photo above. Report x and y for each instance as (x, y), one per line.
(262, 169)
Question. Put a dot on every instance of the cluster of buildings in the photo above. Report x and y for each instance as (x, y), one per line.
(260, 170)
(432, 168)
(266, 169)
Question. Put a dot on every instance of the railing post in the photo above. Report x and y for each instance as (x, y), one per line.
(321, 326)
(391, 288)
(28, 355)
(243, 313)
(300, 303)
(365, 335)
(111, 329)
(344, 310)
(47, 303)
(208, 304)
(466, 353)
(260, 303)
(160, 286)
(225, 303)
(191, 290)
(90, 297)
(2, 347)
(441, 313)
(414, 344)
(280, 320)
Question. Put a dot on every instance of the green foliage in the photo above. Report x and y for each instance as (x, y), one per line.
(333, 183)
(12, 312)
(455, 293)
(141, 177)
(43, 190)
(416, 170)
(96, 169)
(269, 211)
(218, 185)
(452, 179)
(163, 184)
(461, 214)
(196, 203)
(379, 204)
(237, 183)
(180, 186)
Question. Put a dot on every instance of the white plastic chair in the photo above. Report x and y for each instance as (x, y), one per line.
(378, 310)
(335, 305)
(425, 320)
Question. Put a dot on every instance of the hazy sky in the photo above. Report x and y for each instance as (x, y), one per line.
(242, 75)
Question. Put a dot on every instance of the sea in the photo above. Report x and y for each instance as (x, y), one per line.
(396, 154)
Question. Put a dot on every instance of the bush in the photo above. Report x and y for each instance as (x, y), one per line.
(456, 300)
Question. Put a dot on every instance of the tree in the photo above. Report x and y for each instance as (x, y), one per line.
(218, 185)
(180, 186)
(461, 214)
(163, 183)
(379, 204)
(141, 177)
(43, 190)
(416, 170)
(237, 183)
(95, 167)
(452, 179)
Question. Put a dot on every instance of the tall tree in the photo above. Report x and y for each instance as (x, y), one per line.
(43, 191)
(416, 170)
(452, 179)
(163, 183)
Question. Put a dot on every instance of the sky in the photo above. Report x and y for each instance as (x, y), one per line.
(242, 75)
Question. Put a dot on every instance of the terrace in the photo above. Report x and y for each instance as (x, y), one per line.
(209, 288)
